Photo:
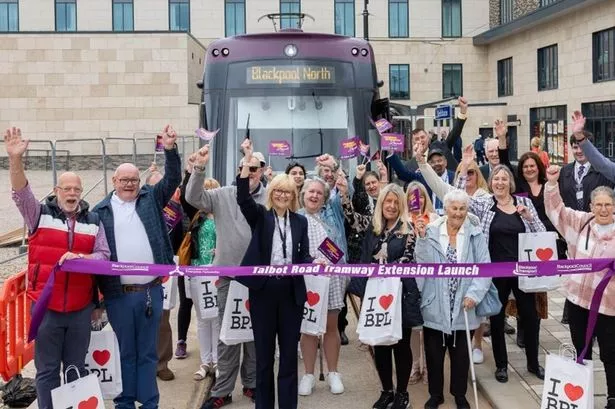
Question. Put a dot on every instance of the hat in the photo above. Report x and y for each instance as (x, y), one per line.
(258, 156)
(435, 151)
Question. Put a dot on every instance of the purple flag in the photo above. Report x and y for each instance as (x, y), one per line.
(349, 148)
(392, 142)
(331, 251)
(159, 147)
(414, 204)
(279, 148)
(206, 135)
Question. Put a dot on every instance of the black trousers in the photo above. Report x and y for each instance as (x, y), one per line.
(275, 313)
(342, 322)
(526, 305)
(436, 345)
(403, 362)
(604, 332)
(184, 312)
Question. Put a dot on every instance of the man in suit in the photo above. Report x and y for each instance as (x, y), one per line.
(493, 157)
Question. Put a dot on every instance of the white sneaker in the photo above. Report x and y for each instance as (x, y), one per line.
(201, 373)
(306, 385)
(334, 379)
(477, 356)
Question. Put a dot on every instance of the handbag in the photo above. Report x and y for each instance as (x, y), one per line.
(490, 305)
(185, 249)
(538, 246)
(380, 320)
(103, 359)
(84, 392)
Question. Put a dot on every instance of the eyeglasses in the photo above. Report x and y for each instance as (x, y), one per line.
(280, 192)
(253, 169)
(67, 189)
(603, 205)
(125, 181)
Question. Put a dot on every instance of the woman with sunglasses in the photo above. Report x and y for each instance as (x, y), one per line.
(279, 237)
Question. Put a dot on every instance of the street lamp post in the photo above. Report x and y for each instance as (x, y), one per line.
(365, 21)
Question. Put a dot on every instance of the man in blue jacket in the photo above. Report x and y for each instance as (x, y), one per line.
(137, 232)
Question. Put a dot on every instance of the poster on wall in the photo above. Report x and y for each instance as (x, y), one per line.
(560, 127)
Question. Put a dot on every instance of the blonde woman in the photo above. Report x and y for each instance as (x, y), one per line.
(536, 147)
(390, 239)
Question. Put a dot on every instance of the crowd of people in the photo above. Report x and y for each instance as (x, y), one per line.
(448, 212)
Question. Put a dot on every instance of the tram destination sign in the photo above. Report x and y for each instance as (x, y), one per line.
(290, 74)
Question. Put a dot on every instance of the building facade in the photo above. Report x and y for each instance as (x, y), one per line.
(109, 68)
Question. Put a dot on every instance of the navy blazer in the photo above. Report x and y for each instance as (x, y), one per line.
(568, 190)
(262, 224)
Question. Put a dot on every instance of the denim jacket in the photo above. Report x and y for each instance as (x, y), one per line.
(435, 295)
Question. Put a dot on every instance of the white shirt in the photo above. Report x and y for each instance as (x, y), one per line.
(131, 242)
(586, 167)
(434, 197)
(445, 240)
(277, 252)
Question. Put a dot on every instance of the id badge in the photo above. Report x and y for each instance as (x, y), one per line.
(579, 195)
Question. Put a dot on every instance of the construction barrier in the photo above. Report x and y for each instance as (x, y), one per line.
(14, 323)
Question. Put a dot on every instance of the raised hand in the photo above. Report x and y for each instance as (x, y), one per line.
(269, 173)
(553, 174)
(169, 137)
(15, 146)
(342, 185)
(247, 149)
(578, 122)
(524, 212)
(419, 149)
(463, 105)
(382, 171)
(420, 227)
(153, 167)
(360, 171)
(468, 155)
(326, 160)
(500, 129)
(190, 162)
(201, 157)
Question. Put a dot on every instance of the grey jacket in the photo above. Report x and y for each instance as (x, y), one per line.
(435, 295)
(232, 229)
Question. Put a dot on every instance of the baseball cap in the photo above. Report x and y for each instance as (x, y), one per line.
(258, 156)
(435, 151)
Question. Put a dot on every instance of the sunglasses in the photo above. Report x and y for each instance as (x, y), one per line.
(471, 172)
(253, 169)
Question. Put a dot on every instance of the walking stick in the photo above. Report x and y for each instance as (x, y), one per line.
(321, 377)
(469, 342)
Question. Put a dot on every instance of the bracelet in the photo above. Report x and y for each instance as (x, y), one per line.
(199, 168)
(462, 116)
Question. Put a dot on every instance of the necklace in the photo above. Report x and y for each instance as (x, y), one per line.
(502, 204)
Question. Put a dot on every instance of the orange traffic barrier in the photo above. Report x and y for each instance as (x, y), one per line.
(15, 350)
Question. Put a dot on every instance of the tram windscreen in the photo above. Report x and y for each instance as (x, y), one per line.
(311, 124)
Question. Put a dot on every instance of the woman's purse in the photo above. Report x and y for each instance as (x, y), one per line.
(490, 305)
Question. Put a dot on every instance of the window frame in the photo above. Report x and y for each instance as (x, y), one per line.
(55, 11)
(505, 77)
(189, 11)
(444, 95)
(547, 57)
(447, 2)
(545, 3)
(289, 20)
(227, 32)
(132, 17)
(398, 94)
(390, 3)
(344, 3)
(509, 11)
(599, 48)
(8, 16)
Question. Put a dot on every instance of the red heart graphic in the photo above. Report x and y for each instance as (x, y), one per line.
(312, 298)
(101, 357)
(91, 403)
(544, 254)
(386, 301)
(248, 305)
(573, 392)
(216, 282)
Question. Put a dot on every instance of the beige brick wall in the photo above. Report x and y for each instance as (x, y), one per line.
(58, 86)
(573, 35)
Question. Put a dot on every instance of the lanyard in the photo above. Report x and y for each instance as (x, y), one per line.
(282, 233)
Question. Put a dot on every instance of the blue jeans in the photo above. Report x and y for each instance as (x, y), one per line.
(137, 336)
(63, 339)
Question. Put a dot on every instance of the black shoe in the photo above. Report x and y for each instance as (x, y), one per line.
(434, 402)
(501, 375)
(508, 329)
(344, 338)
(462, 403)
(401, 401)
(539, 372)
(386, 398)
(215, 403)
(610, 403)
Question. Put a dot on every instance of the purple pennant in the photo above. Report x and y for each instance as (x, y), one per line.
(206, 135)
(172, 214)
(364, 149)
(41, 304)
(392, 142)
(349, 148)
(159, 147)
(279, 148)
(382, 125)
(331, 251)
(414, 203)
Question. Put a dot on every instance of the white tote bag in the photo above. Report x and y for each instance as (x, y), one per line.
(204, 294)
(539, 246)
(103, 360)
(380, 319)
(316, 306)
(236, 327)
(82, 393)
(567, 383)
(169, 294)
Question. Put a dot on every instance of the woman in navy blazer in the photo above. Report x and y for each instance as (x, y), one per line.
(279, 237)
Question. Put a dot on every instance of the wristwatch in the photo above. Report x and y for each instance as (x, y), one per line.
(199, 168)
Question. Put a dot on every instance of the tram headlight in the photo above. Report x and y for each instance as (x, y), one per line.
(225, 52)
(215, 52)
(290, 50)
(355, 51)
(364, 52)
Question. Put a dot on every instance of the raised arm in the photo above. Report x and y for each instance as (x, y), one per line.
(460, 121)
(196, 196)
(251, 210)
(357, 222)
(401, 171)
(602, 164)
(163, 190)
